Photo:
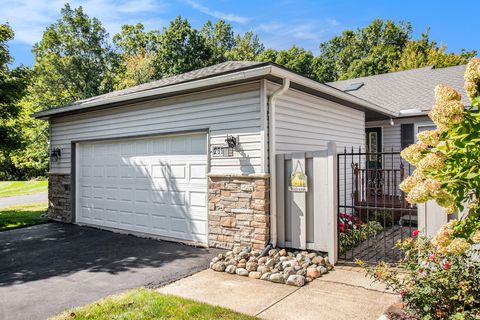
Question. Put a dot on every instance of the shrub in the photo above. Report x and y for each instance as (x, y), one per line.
(353, 231)
(434, 284)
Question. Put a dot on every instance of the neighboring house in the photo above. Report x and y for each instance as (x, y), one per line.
(411, 94)
(153, 160)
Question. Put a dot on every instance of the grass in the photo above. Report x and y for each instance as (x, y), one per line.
(148, 304)
(15, 188)
(22, 215)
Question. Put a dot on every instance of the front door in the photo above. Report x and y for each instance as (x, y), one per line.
(374, 148)
(374, 177)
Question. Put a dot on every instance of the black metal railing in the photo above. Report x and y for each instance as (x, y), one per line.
(373, 213)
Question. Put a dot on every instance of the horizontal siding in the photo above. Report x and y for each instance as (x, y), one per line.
(307, 123)
(234, 110)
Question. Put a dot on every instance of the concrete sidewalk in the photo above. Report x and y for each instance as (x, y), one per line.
(341, 294)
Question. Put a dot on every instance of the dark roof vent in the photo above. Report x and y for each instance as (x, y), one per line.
(354, 86)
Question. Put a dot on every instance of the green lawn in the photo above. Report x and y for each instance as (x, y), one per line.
(15, 188)
(22, 215)
(148, 304)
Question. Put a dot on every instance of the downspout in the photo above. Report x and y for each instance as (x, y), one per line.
(271, 156)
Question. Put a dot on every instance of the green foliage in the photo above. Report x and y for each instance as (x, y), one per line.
(295, 58)
(22, 215)
(140, 304)
(220, 38)
(351, 237)
(247, 48)
(181, 49)
(434, 285)
(15, 188)
(13, 84)
(73, 60)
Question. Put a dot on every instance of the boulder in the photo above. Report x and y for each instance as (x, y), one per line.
(218, 266)
(277, 278)
(313, 273)
(255, 275)
(230, 269)
(295, 280)
(241, 272)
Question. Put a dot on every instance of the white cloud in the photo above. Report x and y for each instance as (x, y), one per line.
(29, 18)
(307, 34)
(217, 14)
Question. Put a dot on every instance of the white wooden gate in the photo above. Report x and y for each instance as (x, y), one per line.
(307, 220)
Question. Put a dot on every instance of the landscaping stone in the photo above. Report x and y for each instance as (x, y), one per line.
(277, 278)
(296, 280)
(241, 272)
(230, 269)
(218, 266)
(295, 268)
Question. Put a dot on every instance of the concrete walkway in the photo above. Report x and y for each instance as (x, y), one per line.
(23, 199)
(342, 294)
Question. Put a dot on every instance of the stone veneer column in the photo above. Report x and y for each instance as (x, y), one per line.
(59, 207)
(238, 208)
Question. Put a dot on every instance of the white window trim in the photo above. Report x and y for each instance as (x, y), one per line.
(418, 125)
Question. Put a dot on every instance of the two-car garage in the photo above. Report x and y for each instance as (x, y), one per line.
(151, 185)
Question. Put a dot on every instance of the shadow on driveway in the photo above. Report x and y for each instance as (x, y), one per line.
(47, 268)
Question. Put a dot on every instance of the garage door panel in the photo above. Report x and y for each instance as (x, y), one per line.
(153, 185)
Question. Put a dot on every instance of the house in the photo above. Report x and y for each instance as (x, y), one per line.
(411, 94)
(190, 157)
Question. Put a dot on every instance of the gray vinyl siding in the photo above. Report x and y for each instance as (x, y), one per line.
(235, 110)
(307, 123)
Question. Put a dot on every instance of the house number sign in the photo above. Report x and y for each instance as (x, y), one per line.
(222, 152)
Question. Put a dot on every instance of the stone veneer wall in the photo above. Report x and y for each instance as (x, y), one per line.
(238, 208)
(59, 200)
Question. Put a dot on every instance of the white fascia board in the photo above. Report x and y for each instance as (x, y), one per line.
(219, 80)
(222, 79)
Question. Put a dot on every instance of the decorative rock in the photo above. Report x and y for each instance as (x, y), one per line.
(218, 266)
(263, 269)
(237, 250)
(255, 253)
(270, 263)
(313, 273)
(283, 252)
(241, 272)
(215, 259)
(277, 278)
(272, 252)
(288, 271)
(243, 255)
(301, 272)
(318, 260)
(299, 257)
(251, 266)
(308, 279)
(322, 269)
(247, 249)
(265, 276)
(311, 255)
(296, 280)
(230, 269)
(221, 257)
(262, 260)
(255, 275)
(229, 253)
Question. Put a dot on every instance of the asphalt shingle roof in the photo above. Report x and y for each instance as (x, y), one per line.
(218, 69)
(404, 90)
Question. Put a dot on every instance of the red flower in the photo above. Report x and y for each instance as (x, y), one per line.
(403, 293)
(432, 257)
(447, 265)
(415, 233)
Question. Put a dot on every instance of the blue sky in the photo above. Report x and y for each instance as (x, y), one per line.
(279, 23)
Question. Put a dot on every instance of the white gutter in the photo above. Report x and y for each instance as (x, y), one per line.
(271, 153)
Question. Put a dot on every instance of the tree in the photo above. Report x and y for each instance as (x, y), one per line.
(133, 40)
(423, 52)
(247, 48)
(371, 50)
(295, 58)
(220, 38)
(73, 60)
(138, 69)
(13, 84)
(181, 48)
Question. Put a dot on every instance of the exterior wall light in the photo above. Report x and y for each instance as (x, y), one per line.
(55, 154)
(231, 141)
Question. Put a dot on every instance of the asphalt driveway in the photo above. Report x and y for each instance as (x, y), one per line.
(47, 268)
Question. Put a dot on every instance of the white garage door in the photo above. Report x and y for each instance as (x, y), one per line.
(155, 185)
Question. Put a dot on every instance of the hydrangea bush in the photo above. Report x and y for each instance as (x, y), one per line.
(447, 158)
(439, 277)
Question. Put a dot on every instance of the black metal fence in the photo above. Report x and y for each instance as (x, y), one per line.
(373, 211)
